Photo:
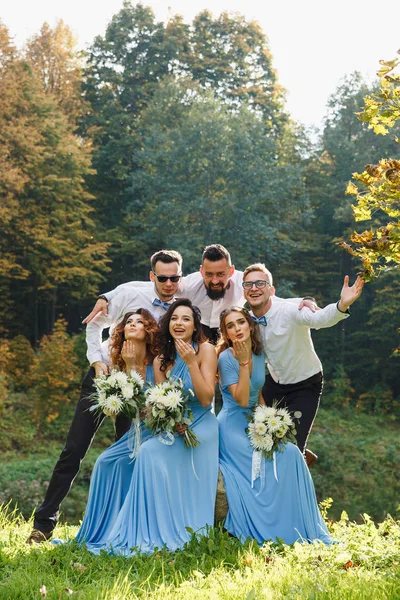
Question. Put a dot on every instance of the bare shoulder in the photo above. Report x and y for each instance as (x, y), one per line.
(207, 352)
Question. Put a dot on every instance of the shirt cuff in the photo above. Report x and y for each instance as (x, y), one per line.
(344, 312)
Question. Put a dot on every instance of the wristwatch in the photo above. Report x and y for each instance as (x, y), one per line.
(103, 297)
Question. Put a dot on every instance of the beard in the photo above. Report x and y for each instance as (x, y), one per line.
(216, 294)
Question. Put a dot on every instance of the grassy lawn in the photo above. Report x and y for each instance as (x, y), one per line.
(363, 564)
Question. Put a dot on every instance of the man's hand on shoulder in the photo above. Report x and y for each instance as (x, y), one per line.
(99, 307)
(309, 303)
(100, 368)
(350, 294)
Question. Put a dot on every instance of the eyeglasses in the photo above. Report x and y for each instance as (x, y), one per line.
(260, 284)
(164, 278)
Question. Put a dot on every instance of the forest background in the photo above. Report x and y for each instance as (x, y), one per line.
(175, 135)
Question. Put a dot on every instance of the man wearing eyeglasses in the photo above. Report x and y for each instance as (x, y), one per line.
(155, 295)
(295, 371)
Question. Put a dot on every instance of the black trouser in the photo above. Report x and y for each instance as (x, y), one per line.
(83, 428)
(303, 396)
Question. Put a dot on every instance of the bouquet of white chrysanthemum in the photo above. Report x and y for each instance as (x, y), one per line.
(271, 428)
(119, 393)
(167, 408)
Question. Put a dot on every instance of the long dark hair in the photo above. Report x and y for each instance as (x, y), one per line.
(224, 342)
(165, 341)
(118, 338)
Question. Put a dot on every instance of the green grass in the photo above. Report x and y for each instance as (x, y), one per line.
(364, 564)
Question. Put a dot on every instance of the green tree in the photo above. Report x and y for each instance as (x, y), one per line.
(205, 173)
(47, 237)
(54, 374)
(58, 65)
(227, 55)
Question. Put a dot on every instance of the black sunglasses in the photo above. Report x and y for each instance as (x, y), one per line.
(164, 278)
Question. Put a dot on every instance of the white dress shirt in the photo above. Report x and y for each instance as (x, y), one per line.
(128, 299)
(192, 287)
(286, 339)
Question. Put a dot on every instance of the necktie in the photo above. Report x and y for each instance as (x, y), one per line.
(158, 302)
(259, 320)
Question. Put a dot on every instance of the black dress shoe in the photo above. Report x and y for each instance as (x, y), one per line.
(37, 536)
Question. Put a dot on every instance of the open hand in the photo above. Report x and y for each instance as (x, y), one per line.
(99, 307)
(186, 352)
(128, 353)
(242, 351)
(350, 294)
(308, 303)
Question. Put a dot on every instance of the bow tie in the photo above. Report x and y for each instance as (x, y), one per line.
(158, 302)
(259, 320)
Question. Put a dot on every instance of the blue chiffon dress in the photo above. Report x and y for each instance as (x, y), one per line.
(282, 504)
(171, 488)
(109, 485)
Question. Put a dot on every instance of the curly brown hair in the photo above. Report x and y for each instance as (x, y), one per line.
(224, 342)
(118, 338)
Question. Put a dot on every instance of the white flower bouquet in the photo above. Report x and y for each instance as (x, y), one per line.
(271, 428)
(166, 408)
(119, 393)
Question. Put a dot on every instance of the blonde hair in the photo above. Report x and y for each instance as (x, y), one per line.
(258, 267)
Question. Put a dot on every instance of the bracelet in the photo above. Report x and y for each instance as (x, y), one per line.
(244, 364)
(309, 298)
(103, 297)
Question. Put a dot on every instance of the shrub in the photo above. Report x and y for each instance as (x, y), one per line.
(54, 375)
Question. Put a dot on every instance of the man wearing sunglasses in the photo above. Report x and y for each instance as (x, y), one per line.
(295, 371)
(155, 295)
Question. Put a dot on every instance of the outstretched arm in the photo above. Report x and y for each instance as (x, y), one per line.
(333, 313)
(101, 305)
(350, 294)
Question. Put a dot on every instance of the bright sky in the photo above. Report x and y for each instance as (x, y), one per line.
(314, 43)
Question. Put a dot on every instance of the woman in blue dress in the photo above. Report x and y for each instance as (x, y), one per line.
(281, 502)
(132, 347)
(173, 487)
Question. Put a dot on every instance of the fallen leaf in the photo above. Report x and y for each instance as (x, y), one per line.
(79, 567)
(349, 565)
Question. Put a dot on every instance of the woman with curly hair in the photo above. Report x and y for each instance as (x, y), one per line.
(131, 348)
(173, 487)
(281, 502)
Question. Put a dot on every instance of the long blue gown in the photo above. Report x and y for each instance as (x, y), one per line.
(109, 485)
(172, 487)
(285, 508)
